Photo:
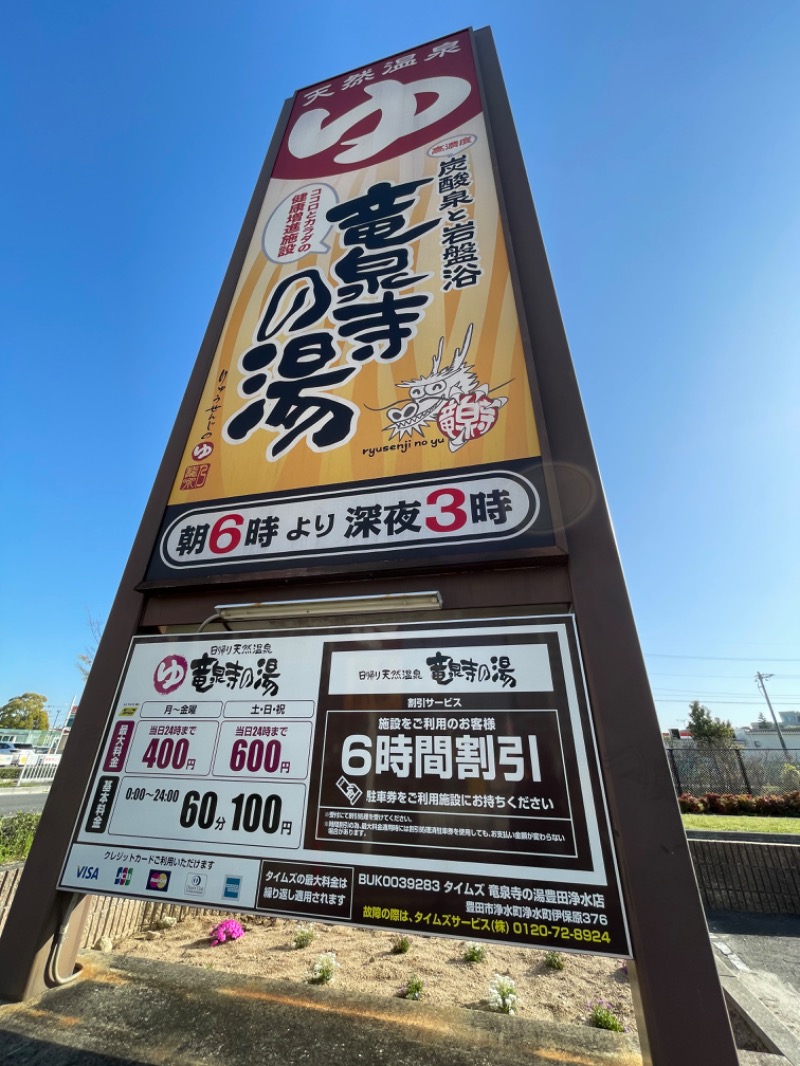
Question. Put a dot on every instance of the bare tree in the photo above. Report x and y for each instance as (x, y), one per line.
(85, 661)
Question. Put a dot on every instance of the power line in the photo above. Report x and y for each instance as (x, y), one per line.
(739, 697)
(725, 677)
(706, 695)
(721, 658)
(729, 703)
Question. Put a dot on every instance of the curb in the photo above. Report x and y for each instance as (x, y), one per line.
(758, 1017)
(743, 838)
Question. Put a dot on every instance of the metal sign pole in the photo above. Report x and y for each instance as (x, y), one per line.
(656, 867)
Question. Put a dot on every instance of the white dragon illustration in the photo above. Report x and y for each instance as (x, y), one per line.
(434, 399)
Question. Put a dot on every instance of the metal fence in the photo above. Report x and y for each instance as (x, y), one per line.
(9, 878)
(734, 770)
(39, 770)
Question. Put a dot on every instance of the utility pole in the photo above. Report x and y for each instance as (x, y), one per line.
(760, 679)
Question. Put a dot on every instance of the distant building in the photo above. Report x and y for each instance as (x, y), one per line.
(33, 738)
(678, 738)
(763, 734)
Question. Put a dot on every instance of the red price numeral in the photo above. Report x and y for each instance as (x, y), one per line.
(224, 536)
(454, 507)
(256, 756)
(167, 752)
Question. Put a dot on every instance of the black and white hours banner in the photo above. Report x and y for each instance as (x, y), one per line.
(423, 777)
(478, 510)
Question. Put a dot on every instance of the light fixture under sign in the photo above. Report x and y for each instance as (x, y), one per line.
(360, 605)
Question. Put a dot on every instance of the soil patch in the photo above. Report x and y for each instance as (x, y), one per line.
(367, 964)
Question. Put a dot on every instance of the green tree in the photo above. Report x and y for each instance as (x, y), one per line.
(708, 730)
(25, 712)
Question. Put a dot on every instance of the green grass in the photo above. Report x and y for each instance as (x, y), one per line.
(16, 835)
(741, 823)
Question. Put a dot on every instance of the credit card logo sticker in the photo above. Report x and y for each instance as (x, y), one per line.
(233, 886)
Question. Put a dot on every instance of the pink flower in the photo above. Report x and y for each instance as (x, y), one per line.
(227, 930)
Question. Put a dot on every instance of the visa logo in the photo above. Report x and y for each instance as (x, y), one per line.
(88, 873)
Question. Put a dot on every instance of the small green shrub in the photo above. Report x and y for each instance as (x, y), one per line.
(400, 945)
(604, 1015)
(414, 988)
(16, 835)
(554, 960)
(324, 968)
(304, 935)
(502, 994)
(474, 952)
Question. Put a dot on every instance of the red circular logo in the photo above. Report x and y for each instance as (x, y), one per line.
(170, 673)
(202, 451)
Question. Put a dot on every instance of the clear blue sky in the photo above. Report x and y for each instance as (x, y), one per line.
(662, 147)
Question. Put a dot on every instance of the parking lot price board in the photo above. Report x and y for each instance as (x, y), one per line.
(424, 778)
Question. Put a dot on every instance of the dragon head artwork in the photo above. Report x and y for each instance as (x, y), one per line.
(449, 398)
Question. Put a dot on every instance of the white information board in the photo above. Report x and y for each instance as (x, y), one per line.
(425, 777)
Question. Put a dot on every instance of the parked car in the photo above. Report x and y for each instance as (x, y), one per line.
(26, 756)
(8, 753)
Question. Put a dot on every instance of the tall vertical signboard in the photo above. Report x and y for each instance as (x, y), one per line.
(384, 402)
(368, 400)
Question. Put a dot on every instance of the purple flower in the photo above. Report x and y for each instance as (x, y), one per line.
(227, 930)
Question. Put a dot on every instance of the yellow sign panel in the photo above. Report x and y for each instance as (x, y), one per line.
(373, 337)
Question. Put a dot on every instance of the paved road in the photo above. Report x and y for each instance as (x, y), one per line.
(771, 944)
(762, 963)
(21, 799)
